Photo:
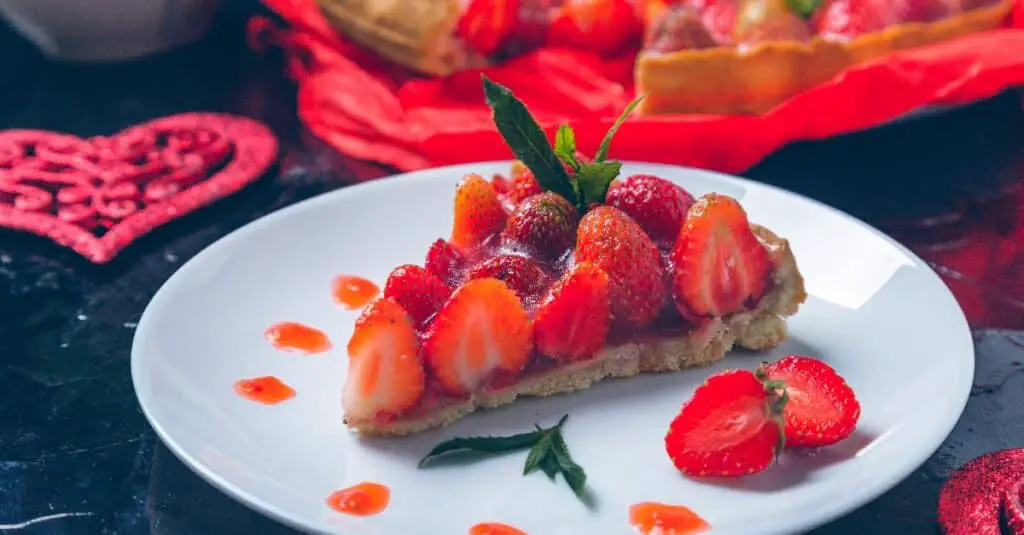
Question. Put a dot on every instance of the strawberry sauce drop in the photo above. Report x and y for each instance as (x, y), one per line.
(494, 528)
(651, 518)
(296, 337)
(267, 390)
(363, 499)
(354, 292)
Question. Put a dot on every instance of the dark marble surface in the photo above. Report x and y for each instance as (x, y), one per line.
(76, 454)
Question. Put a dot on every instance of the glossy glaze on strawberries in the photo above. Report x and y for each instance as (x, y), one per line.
(527, 290)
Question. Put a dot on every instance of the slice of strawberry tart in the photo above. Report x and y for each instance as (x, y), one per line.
(558, 276)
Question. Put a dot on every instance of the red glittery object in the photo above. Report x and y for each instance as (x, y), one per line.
(972, 502)
(97, 195)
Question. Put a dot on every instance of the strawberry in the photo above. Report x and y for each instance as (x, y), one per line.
(522, 274)
(604, 27)
(478, 213)
(613, 242)
(486, 24)
(445, 262)
(522, 184)
(928, 10)
(572, 322)
(720, 266)
(847, 19)
(543, 225)
(758, 21)
(418, 291)
(720, 18)
(480, 334)
(657, 205)
(822, 408)
(675, 27)
(732, 426)
(385, 374)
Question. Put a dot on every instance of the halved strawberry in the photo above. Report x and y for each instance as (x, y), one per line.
(732, 426)
(478, 213)
(822, 408)
(522, 274)
(610, 240)
(758, 21)
(720, 266)
(480, 334)
(418, 291)
(445, 262)
(572, 322)
(385, 374)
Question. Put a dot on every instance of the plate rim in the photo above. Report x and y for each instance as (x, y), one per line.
(810, 521)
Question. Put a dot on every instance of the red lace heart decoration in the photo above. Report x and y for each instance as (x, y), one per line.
(98, 195)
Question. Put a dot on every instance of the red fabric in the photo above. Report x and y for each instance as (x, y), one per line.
(370, 110)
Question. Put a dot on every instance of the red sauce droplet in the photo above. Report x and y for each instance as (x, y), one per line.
(292, 336)
(267, 390)
(494, 528)
(659, 519)
(363, 499)
(354, 292)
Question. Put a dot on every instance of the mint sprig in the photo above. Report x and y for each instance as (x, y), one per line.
(588, 184)
(548, 453)
(526, 139)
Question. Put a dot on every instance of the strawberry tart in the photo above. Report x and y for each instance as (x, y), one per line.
(559, 275)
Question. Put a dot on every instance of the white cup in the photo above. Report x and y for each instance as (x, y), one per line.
(108, 30)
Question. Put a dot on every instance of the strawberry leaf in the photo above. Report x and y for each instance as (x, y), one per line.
(805, 8)
(602, 149)
(593, 180)
(526, 139)
(565, 146)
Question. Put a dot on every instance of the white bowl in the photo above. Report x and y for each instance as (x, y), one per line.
(105, 30)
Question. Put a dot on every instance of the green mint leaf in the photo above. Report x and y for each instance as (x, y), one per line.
(594, 178)
(602, 150)
(572, 472)
(805, 8)
(538, 453)
(526, 139)
(565, 146)
(550, 466)
(482, 445)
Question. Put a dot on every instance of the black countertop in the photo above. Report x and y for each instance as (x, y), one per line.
(76, 454)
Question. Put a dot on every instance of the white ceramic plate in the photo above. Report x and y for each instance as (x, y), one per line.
(876, 312)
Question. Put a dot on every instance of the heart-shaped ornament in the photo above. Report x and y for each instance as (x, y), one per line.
(98, 195)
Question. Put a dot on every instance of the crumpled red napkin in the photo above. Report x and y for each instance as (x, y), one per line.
(371, 110)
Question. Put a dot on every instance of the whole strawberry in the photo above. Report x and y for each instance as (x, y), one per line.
(478, 213)
(418, 291)
(523, 275)
(611, 241)
(732, 426)
(543, 225)
(822, 408)
(521, 184)
(657, 205)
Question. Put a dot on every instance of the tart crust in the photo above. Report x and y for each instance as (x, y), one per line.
(759, 329)
(737, 80)
(417, 34)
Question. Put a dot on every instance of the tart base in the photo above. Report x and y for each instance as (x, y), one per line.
(760, 329)
(753, 80)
